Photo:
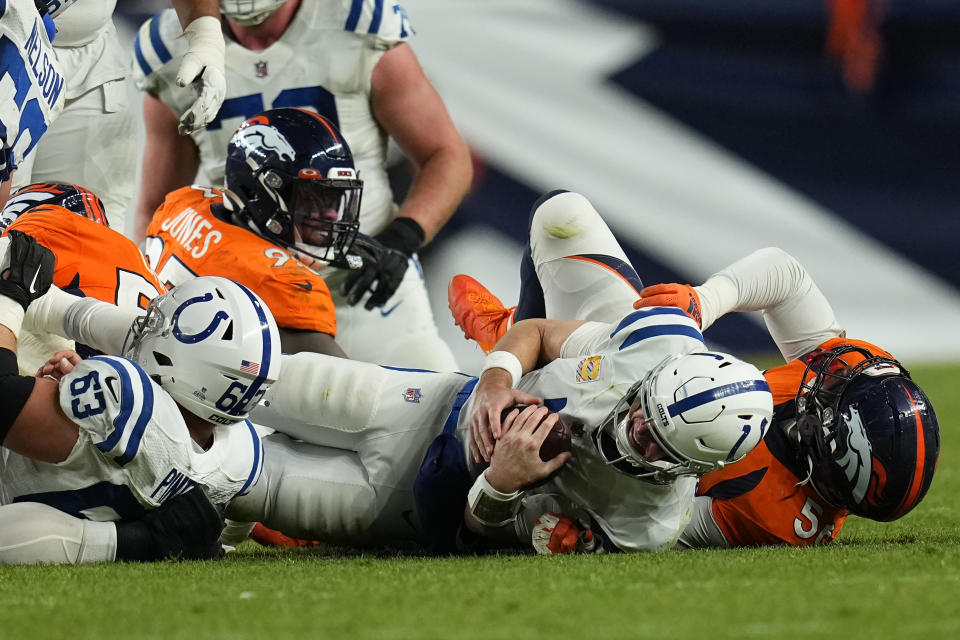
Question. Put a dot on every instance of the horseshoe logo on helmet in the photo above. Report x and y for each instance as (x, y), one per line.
(187, 338)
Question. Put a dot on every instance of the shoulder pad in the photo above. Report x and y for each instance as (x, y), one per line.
(383, 19)
(653, 322)
(113, 400)
(158, 42)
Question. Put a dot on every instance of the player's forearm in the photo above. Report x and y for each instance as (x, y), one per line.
(89, 321)
(439, 186)
(190, 10)
(796, 312)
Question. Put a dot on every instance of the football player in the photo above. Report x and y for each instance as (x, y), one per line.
(93, 260)
(650, 410)
(108, 439)
(350, 62)
(291, 200)
(33, 84)
(851, 431)
(93, 142)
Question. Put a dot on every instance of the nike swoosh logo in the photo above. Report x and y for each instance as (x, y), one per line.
(386, 312)
(306, 286)
(33, 283)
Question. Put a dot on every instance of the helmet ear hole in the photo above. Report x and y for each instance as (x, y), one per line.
(162, 359)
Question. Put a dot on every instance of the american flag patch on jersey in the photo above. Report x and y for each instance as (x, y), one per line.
(412, 395)
(250, 367)
(588, 369)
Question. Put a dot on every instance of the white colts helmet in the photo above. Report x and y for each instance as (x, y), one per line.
(212, 344)
(704, 410)
(247, 13)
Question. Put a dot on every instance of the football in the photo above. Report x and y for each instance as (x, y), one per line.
(556, 442)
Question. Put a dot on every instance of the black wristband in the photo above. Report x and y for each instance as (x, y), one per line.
(402, 234)
(15, 390)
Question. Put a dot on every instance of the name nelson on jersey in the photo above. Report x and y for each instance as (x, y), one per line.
(42, 67)
(190, 225)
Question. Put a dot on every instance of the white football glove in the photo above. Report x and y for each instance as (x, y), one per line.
(202, 67)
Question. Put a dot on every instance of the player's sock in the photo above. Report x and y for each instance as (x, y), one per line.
(271, 538)
(479, 313)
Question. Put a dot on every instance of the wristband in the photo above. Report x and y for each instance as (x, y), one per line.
(11, 315)
(491, 507)
(504, 360)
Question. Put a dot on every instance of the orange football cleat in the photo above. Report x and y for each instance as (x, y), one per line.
(478, 312)
(270, 538)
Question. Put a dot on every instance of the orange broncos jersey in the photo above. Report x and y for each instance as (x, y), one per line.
(93, 260)
(756, 501)
(186, 239)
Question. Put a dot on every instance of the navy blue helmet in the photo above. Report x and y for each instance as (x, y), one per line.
(869, 434)
(290, 178)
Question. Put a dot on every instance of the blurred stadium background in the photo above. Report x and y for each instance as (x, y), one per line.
(703, 130)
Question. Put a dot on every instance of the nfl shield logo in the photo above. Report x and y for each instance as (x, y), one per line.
(260, 68)
(588, 369)
(412, 395)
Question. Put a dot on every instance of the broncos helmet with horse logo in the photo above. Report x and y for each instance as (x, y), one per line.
(291, 179)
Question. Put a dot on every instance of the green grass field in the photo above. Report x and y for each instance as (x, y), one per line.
(898, 580)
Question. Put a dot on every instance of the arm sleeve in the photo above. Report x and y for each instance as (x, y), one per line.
(770, 280)
(89, 321)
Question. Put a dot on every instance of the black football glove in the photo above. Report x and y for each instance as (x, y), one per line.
(29, 273)
(187, 527)
(385, 259)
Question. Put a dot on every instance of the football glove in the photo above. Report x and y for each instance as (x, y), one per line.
(202, 67)
(682, 296)
(187, 527)
(556, 533)
(26, 269)
(385, 260)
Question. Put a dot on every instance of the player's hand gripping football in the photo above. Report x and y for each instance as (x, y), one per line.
(516, 462)
(202, 68)
(26, 268)
(556, 533)
(492, 395)
(681, 296)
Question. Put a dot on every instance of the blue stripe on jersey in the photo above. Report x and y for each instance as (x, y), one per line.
(656, 330)
(157, 42)
(146, 411)
(266, 357)
(354, 16)
(645, 313)
(451, 424)
(127, 405)
(377, 16)
(257, 452)
(141, 60)
(710, 395)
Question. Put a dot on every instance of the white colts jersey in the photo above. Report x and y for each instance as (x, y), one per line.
(323, 62)
(31, 82)
(134, 451)
(599, 363)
